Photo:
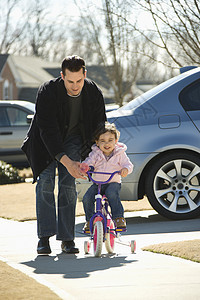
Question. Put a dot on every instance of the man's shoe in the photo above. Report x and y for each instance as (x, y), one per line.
(69, 247)
(43, 246)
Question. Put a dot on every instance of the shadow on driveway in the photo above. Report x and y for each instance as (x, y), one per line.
(158, 224)
(71, 266)
(153, 223)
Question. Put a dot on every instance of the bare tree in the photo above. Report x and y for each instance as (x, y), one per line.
(40, 30)
(11, 27)
(176, 24)
(112, 43)
(28, 30)
(39, 34)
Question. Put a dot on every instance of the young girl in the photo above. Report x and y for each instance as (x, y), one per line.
(107, 155)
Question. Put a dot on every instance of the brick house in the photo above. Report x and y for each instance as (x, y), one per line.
(20, 76)
(8, 86)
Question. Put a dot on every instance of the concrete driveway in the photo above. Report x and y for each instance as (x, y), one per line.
(122, 275)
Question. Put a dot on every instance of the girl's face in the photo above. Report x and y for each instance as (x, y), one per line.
(106, 142)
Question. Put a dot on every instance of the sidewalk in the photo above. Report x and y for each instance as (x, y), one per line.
(123, 275)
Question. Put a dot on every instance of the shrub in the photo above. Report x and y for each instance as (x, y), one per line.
(9, 174)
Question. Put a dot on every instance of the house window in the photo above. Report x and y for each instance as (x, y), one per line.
(6, 90)
(11, 91)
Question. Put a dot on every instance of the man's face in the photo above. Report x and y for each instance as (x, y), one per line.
(73, 81)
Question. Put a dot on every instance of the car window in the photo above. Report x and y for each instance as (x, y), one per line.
(190, 97)
(150, 93)
(3, 117)
(17, 116)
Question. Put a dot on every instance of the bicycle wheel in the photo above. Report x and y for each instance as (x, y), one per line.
(110, 237)
(98, 238)
(86, 247)
(133, 246)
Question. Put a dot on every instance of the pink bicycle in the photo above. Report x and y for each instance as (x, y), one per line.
(102, 228)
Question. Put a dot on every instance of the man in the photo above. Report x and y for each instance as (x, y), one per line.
(68, 111)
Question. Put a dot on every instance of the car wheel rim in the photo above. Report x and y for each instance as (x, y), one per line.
(177, 186)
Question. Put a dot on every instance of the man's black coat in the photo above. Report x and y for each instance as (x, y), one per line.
(45, 137)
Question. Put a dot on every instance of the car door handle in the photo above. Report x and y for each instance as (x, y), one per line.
(6, 132)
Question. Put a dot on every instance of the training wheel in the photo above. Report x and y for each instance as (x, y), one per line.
(86, 247)
(133, 246)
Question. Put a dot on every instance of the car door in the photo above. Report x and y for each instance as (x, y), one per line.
(13, 128)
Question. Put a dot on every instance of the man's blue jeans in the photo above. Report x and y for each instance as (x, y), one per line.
(61, 223)
(111, 191)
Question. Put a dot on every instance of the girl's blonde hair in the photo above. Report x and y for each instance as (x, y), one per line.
(107, 127)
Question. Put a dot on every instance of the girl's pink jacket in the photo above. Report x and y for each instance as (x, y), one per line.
(118, 161)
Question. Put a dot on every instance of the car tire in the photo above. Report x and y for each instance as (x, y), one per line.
(172, 185)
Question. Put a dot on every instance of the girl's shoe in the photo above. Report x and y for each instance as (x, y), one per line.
(120, 222)
(86, 227)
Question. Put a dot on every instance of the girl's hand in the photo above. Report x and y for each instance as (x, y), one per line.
(124, 172)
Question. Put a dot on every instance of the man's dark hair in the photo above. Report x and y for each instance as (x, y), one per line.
(73, 64)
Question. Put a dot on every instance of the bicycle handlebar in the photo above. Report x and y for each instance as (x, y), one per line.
(104, 173)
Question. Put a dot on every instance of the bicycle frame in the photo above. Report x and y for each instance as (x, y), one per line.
(102, 227)
(99, 198)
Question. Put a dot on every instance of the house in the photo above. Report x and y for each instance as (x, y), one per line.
(21, 76)
(8, 88)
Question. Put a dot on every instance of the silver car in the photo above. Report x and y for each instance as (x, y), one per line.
(15, 118)
(161, 129)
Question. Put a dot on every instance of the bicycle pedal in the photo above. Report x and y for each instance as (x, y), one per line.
(122, 229)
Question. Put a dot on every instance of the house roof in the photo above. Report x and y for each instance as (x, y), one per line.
(28, 94)
(33, 70)
(3, 59)
(99, 75)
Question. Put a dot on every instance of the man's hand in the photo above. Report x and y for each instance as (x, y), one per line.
(124, 172)
(73, 167)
